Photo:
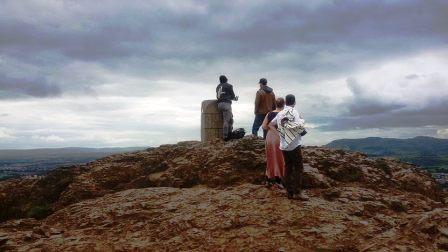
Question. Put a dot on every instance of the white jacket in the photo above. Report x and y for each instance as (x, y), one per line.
(291, 129)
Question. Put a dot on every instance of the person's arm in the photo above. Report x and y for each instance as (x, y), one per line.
(257, 102)
(274, 121)
(265, 125)
(273, 101)
(232, 94)
(217, 88)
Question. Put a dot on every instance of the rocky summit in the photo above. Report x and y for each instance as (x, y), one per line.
(200, 197)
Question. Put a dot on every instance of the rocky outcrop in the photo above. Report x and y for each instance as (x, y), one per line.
(194, 196)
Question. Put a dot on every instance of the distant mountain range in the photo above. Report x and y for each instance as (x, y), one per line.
(17, 163)
(428, 152)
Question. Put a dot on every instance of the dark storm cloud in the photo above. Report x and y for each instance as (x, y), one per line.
(311, 40)
(325, 37)
(415, 118)
(26, 40)
(122, 52)
(377, 112)
(14, 88)
(340, 25)
(365, 104)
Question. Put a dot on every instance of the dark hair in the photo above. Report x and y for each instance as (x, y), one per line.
(280, 102)
(290, 100)
(263, 81)
(222, 79)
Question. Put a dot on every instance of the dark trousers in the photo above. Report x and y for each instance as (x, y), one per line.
(293, 170)
(259, 118)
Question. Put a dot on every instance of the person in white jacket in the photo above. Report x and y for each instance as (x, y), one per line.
(290, 126)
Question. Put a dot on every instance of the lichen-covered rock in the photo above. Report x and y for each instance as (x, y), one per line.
(244, 217)
(313, 178)
(195, 196)
(187, 164)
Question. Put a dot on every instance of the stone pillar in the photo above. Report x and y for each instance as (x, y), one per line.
(211, 121)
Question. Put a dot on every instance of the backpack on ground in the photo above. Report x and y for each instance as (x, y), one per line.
(238, 133)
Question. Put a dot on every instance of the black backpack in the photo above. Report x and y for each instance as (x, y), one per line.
(238, 133)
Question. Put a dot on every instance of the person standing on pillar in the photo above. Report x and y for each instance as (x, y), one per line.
(264, 103)
(225, 96)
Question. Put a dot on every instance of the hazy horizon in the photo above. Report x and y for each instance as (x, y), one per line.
(155, 146)
(85, 74)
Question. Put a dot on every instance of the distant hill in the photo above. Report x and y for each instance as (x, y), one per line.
(428, 152)
(17, 163)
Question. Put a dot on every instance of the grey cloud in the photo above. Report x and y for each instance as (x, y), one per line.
(372, 107)
(26, 40)
(392, 120)
(412, 76)
(367, 104)
(325, 38)
(434, 107)
(125, 50)
(13, 88)
(369, 113)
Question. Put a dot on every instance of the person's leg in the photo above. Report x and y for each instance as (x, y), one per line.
(288, 173)
(226, 117)
(254, 126)
(230, 129)
(295, 171)
(258, 121)
(300, 169)
(265, 132)
(298, 175)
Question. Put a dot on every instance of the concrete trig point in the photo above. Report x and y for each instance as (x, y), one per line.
(211, 121)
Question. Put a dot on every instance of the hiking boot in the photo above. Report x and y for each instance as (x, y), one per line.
(279, 186)
(269, 184)
(298, 196)
(290, 195)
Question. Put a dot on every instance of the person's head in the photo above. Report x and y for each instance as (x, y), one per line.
(263, 82)
(280, 103)
(290, 100)
(222, 79)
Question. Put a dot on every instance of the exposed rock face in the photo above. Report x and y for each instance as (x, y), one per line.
(194, 196)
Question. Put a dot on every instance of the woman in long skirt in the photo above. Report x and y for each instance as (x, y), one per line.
(275, 169)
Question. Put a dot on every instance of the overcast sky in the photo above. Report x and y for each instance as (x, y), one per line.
(134, 73)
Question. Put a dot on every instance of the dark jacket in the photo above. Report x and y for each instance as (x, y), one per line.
(224, 93)
(264, 101)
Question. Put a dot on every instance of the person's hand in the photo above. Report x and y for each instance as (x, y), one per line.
(236, 98)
